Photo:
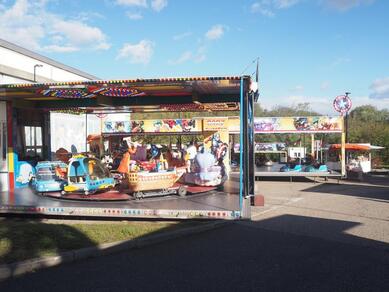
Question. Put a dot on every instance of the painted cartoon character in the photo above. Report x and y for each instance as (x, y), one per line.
(157, 126)
(137, 127)
(109, 127)
(119, 126)
(188, 125)
(154, 152)
(266, 125)
(218, 147)
(301, 124)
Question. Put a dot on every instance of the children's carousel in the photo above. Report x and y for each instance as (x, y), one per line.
(166, 167)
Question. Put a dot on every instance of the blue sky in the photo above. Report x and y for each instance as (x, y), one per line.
(309, 50)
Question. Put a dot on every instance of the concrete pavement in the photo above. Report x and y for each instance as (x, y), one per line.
(309, 237)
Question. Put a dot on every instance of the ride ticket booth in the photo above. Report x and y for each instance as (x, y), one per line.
(148, 181)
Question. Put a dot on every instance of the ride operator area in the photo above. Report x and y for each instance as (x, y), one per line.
(173, 166)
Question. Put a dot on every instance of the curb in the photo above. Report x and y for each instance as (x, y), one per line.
(8, 271)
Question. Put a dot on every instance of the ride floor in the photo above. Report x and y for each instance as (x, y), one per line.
(274, 170)
(211, 204)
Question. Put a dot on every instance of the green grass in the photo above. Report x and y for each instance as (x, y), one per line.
(20, 239)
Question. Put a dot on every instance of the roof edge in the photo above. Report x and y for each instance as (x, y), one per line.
(31, 54)
(139, 80)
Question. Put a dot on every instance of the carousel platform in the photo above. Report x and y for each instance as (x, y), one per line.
(100, 197)
(200, 203)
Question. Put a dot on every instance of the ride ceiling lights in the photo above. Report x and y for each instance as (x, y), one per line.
(90, 92)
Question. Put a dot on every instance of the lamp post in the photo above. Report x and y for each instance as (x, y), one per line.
(35, 66)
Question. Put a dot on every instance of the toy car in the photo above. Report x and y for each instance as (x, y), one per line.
(311, 168)
(87, 175)
(48, 176)
(287, 168)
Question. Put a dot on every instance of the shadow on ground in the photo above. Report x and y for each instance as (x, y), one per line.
(373, 192)
(23, 239)
(269, 255)
(26, 238)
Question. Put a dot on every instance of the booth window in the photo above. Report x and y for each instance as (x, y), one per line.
(33, 139)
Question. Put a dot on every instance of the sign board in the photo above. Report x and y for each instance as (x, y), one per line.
(215, 124)
(317, 124)
(153, 126)
(342, 103)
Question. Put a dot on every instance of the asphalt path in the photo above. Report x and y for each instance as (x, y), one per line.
(238, 257)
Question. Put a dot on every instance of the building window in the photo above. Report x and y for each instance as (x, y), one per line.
(33, 141)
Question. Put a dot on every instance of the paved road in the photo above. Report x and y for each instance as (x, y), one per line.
(239, 257)
(310, 237)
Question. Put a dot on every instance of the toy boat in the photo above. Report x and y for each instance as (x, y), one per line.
(148, 181)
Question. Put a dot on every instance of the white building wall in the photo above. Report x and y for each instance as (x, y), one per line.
(6, 79)
(20, 62)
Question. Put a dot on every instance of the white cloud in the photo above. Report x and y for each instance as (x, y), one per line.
(182, 36)
(344, 5)
(140, 3)
(158, 5)
(78, 33)
(298, 88)
(364, 100)
(267, 7)
(59, 49)
(215, 32)
(29, 24)
(380, 89)
(139, 53)
(185, 56)
(322, 105)
(340, 61)
(325, 85)
(200, 54)
(259, 7)
(285, 3)
(134, 16)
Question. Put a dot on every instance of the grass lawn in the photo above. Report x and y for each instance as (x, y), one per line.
(24, 239)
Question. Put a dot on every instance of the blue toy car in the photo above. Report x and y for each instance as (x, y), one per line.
(47, 178)
(288, 168)
(87, 175)
(321, 168)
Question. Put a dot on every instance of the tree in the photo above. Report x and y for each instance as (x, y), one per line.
(367, 124)
(369, 113)
(301, 109)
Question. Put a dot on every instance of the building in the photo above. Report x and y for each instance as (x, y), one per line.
(19, 65)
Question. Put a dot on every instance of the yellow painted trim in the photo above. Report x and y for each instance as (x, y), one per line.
(106, 186)
(71, 188)
(10, 158)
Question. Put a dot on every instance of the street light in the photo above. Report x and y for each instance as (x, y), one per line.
(35, 66)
